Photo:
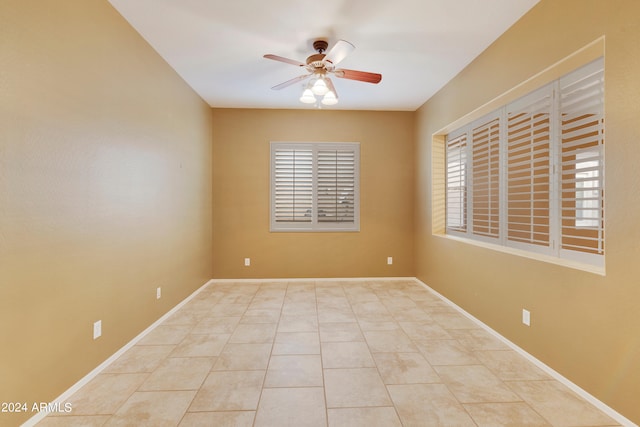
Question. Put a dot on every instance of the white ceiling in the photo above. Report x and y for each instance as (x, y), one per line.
(417, 45)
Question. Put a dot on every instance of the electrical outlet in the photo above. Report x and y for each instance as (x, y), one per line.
(389, 260)
(97, 329)
(247, 262)
(526, 317)
(158, 293)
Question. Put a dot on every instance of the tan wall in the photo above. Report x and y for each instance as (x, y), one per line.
(584, 325)
(105, 191)
(241, 195)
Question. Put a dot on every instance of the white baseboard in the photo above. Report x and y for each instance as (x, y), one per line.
(553, 373)
(312, 279)
(91, 375)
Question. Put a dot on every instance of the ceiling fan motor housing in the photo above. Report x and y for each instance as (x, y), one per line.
(316, 60)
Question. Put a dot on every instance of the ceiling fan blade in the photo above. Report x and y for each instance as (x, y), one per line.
(339, 51)
(290, 82)
(285, 60)
(361, 76)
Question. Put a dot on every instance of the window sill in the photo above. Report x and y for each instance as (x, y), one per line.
(531, 255)
(306, 230)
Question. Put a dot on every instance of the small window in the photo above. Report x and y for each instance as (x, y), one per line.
(315, 186)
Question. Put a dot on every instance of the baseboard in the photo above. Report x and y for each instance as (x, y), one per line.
(553, 373)
(311, 279)
(91, 375)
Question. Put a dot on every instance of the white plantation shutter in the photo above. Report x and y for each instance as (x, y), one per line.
(336, 186)
(315, 186)
(529, 169)
(293, 192)
(530, 175)
(582, 159)
(485, 194)
(456, 182)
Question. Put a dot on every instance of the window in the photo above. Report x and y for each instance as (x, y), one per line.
(315, 186)
(530, 175)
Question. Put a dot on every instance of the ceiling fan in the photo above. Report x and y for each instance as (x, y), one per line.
(319, 66)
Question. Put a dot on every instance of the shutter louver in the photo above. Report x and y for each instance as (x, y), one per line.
(485, 213)
(336, 186)
(582, 159)
(456, 196)
(293, 194)
(529, 169)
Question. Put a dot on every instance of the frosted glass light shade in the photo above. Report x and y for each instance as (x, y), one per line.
(307, 97)
(330, 99)
(319, 87)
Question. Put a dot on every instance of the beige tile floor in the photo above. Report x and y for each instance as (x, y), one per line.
(338, 353)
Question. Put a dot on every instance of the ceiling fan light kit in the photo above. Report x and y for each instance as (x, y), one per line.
(318, 66)
(318, 90)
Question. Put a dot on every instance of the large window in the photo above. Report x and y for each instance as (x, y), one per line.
(315, 186)
(530, 175)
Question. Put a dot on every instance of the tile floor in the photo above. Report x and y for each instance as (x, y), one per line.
(337, 353)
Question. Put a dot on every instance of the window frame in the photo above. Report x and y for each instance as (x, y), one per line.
(315, 225)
